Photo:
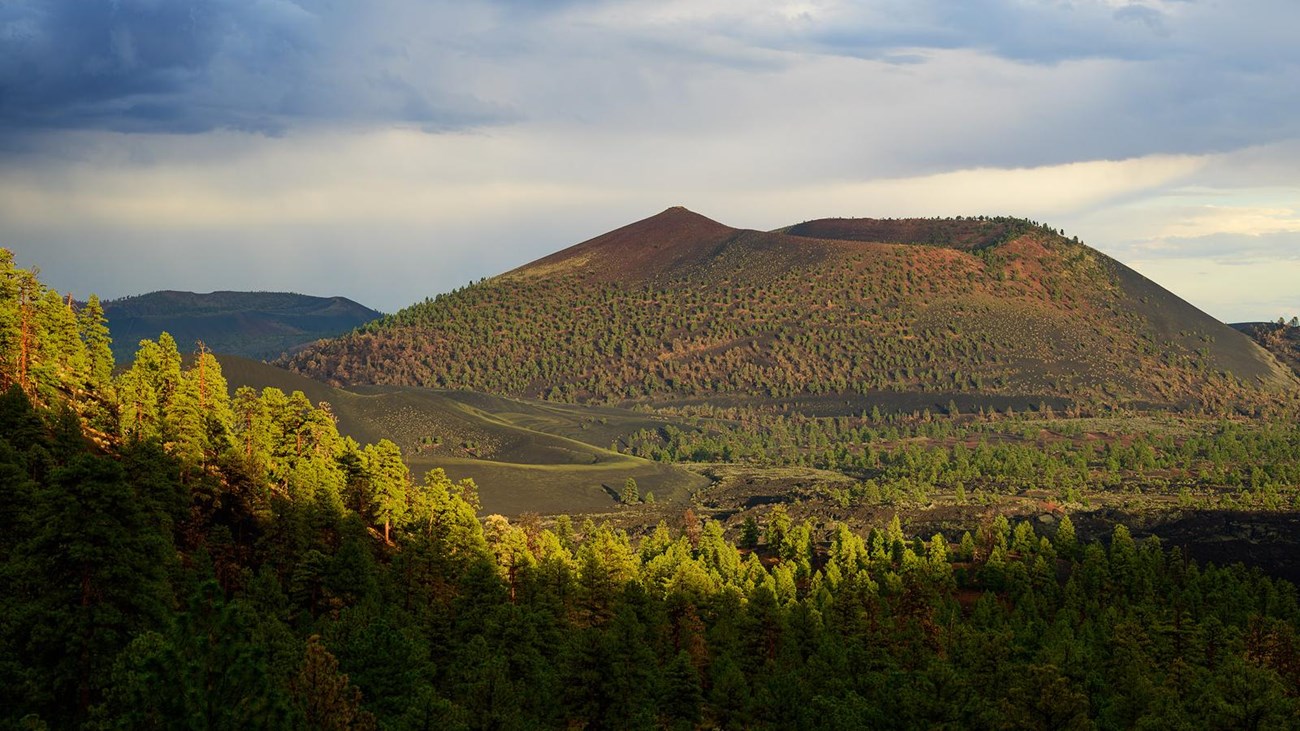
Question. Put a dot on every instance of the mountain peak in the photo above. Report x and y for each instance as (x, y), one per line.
(672, 240)
(680, 306)
(677, 216)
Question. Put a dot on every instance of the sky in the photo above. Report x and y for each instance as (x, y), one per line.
(390, 150)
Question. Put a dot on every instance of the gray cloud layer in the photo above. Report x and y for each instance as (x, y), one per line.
(187, 66)
(1197, 76)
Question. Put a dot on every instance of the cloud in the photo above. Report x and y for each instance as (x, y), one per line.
(1233, 208)
(188, 66)
(1232, 249)
(1090, 79)
(449, 207)
(1230, 291)
(1043, 193)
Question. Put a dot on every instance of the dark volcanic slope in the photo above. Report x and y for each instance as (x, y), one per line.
(1165, 318)
(674, 241)
(677, 245)
(679, 308)
(251, 324)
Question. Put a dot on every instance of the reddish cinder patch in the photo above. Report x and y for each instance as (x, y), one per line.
(674, 239)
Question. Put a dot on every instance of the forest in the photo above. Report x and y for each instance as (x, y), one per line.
(1220, 463)
(175, 555)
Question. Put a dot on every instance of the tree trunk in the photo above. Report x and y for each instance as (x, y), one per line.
(24, 356)
(203, 386)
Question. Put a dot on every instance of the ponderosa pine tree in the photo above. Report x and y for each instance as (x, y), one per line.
(630, 494)
(326, 698)
(250, 428)
(61, 354)
(162, 366)
(40, 345)
(446, 512)
(201, 411)
(26, 294)
(749, 533)
(778, 528)
(1065, 540)
(93, 327)
(10, 321)
(209, 669)
(391, 482)
(147, 389)
(187, 420)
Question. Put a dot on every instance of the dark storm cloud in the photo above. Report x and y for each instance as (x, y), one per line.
(1200, 77)
(197, 65)
(136, 65)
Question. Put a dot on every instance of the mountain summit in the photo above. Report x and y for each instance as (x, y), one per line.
(680, 307)
(675, 241)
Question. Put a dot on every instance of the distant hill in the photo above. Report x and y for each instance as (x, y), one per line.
(261, 325)
(1280, 339)
(678, 308)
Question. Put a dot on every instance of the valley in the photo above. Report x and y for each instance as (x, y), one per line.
(856, 461)
(852, 369)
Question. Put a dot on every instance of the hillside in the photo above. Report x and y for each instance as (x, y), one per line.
(260, 325)
(524, 456)
(678, 308)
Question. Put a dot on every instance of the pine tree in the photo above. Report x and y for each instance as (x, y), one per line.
(327, 699)
(630, 494)
(895, 531)
(967, 550)
(251, 429)
(137, 406)
(210, 669)
(61, 355)
(10, 319)
(188, 421)
(1065, 540)
(749, 533)
(27, 293)
(391, 480)
(148, 390)
(201, 412)
(214, 393)
(95, 334)
(778, 529)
